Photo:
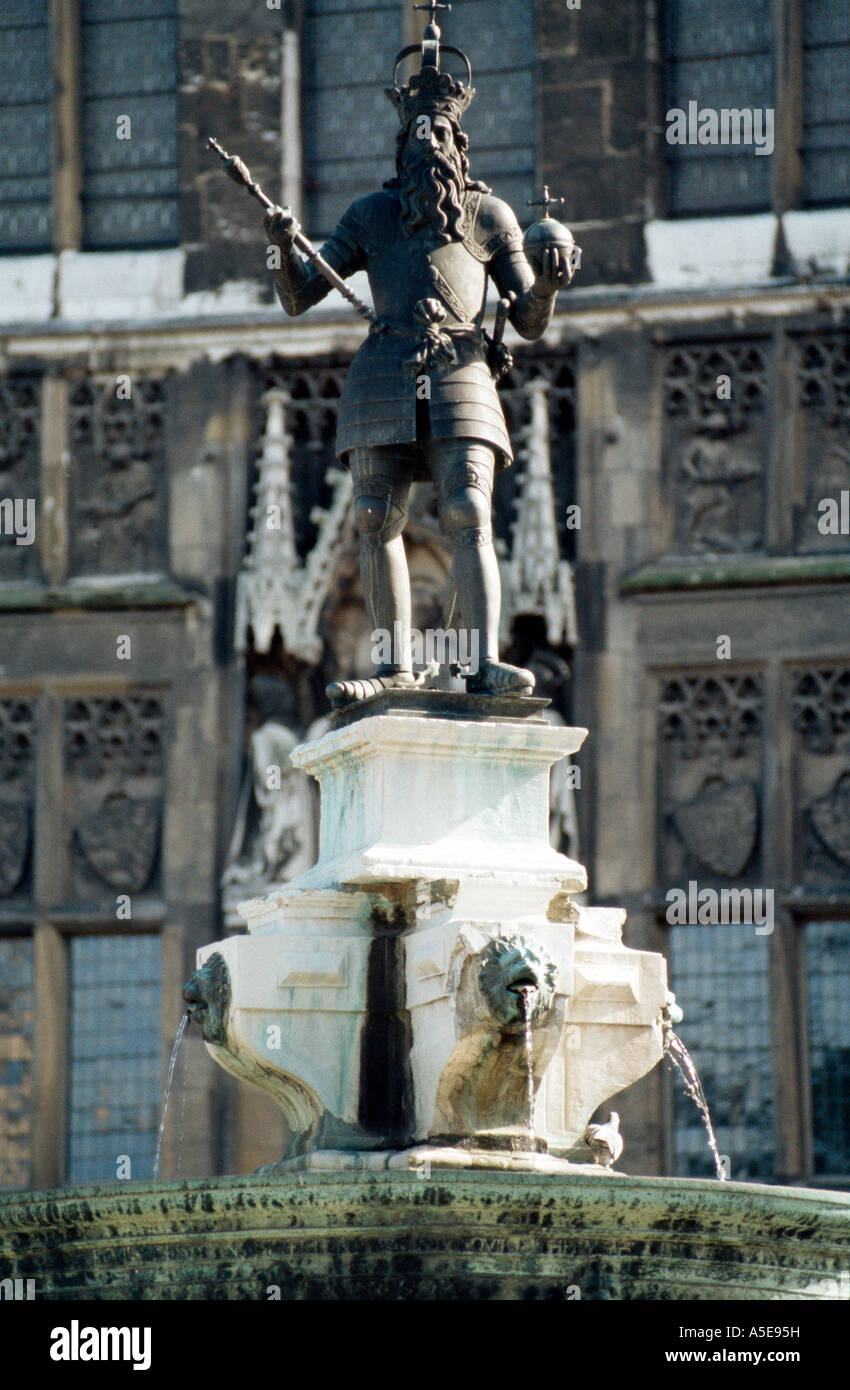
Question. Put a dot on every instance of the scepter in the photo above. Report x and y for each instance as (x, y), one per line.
(241, 174)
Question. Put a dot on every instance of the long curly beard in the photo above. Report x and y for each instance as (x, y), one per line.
(431, 189)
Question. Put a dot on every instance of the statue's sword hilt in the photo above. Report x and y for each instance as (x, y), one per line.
(500, 358)
(238, 170)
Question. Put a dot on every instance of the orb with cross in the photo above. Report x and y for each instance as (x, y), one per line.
(548, 232)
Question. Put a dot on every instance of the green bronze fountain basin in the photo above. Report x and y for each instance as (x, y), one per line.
(398, 1235)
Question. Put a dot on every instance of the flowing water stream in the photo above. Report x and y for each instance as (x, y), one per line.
(175, 1049)
(686, 1067)
(527, 996)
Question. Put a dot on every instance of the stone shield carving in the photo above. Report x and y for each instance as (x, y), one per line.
(831, 818)
(119, 840)
(719, 826)
(14, 844)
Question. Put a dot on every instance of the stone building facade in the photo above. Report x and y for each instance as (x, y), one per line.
(692, 399)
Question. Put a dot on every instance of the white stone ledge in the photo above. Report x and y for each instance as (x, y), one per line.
(26, 288)
(702, 252)
(692, 253)
(819, 240)
(103, 285)
(161, 329)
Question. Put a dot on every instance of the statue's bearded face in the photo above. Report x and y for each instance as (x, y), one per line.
(432, 173)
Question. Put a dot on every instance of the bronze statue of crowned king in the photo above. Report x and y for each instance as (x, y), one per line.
(420, 397)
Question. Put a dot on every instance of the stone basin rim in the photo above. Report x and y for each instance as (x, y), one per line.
(620, 1183)
(463, 1234)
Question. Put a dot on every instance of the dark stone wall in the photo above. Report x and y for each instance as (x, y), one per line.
(229, 65)
(598, 79)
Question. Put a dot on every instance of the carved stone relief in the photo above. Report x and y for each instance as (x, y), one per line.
(710, 773)
(823, 391)
(20, 439)
(114, 763)
(715, 445)
(117, 446)
(17, 762)
(273, 837)
(820, 713)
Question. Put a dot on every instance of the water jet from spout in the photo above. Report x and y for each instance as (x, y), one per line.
(526, 992)
(686, 1067)
(175, 1049)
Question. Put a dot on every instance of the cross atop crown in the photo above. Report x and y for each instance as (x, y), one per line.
(433, 6)
(431, 90)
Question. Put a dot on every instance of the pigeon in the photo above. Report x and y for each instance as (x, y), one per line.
(605, 1141)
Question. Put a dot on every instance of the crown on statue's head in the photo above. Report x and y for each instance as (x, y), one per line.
(431, 92)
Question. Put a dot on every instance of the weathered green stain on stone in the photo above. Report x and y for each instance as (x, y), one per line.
(735, 574)
(26, 598)
(391, 1236)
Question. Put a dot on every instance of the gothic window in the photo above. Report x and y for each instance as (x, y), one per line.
(823, 394)
(114, 765)
(499, 37)
(78, 947)
(720, 975)
(16, 1034)
(349, 126)
(20, 486)
(114, 1056)
(314, 386)
(718, 55)
(828, 972)
(711, 730)
(119, 121)
(774, 1060)
(129, 75)
(17, 763)
(557, 367)
(821, 720)
(826, 102)
(26, 222)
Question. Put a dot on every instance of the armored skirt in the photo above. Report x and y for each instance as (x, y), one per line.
(380, 404)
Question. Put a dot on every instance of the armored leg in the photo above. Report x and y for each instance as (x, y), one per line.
(382, 478)
(463, 473)
(462, 470)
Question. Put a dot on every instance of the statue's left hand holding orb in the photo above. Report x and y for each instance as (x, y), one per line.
(555, 273)
(281, 227)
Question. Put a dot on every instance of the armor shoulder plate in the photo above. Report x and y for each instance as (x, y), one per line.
(494, 229)
(375, 217)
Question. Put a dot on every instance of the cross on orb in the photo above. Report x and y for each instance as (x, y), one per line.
(545, 202)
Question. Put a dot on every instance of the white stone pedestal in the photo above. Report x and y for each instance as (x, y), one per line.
(379, 998)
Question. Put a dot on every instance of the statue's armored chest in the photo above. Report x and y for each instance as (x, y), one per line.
(404, 270)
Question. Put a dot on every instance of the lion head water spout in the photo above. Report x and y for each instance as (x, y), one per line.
(508, 1018)
(207, 995)
(518, 982)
